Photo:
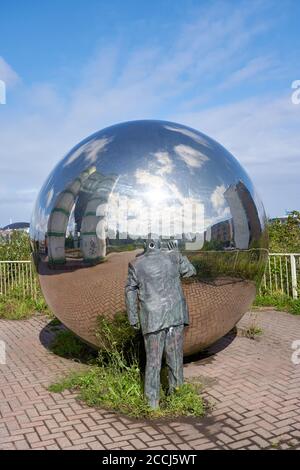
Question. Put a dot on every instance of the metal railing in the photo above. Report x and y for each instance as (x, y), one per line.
(18, 277)
(282, 274)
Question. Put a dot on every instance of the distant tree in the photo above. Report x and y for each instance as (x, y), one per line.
(285, 236)
(16, 247)
(213, 245)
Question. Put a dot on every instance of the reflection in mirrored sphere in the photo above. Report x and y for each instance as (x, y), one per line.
(140, 180)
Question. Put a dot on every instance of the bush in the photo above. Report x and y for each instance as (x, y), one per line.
(16, 248)
(118, 342)
(15, 307)
(285, 237)
(116, 381)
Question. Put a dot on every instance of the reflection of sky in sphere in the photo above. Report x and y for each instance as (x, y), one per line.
(153, 163)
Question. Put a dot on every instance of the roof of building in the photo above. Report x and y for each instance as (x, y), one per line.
(16, 226)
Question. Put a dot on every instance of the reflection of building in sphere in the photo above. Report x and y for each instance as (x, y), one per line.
(220, 232)
(139, 180)
(246, 223)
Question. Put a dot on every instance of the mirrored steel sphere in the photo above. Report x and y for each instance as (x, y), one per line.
(139, 180)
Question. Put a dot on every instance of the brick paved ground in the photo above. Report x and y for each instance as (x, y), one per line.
(253, 384)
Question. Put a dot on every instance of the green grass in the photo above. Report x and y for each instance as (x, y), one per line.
(14, 307)
(210, 265)
(115, 381)
(279, 301)
(252, 331)
(121, 390)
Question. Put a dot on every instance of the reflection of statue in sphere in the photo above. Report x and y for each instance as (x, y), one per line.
(148, 180)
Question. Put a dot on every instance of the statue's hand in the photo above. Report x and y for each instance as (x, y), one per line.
(137, 326)
(172, 245)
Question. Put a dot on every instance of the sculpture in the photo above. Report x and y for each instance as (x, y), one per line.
(144, 180)
(153, 283)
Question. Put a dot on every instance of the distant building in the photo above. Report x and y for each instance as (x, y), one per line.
(241, 232)
(222, 231)
(251, 211)
(246, 222)
(23, 226)
(282, 220)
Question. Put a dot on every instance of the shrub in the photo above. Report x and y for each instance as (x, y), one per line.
(16, 248)
(14, 306)
(116, 381)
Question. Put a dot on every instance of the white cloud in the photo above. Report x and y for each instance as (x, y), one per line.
(264, 135)
(91, 149)
(219, 203)
(257, 67)
(217, 197)
(49, 197)
(165, 164)
(7, 73)
(191, 157)
(189, 133)
(156, 183)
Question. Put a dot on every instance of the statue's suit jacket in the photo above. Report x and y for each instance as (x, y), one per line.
(153, 292)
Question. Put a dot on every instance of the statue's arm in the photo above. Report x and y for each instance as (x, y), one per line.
(186, 268)
(131, 296)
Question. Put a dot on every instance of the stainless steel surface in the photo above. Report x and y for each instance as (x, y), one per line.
(140, 180)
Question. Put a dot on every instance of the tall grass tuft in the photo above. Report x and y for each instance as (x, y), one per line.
(115, 382)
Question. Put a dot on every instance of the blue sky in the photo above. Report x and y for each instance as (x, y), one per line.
(224, 68)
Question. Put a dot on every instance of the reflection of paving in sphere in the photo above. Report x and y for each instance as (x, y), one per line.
(148, 179)
(79, 297)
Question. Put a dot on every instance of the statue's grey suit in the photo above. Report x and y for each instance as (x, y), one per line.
(155, 300)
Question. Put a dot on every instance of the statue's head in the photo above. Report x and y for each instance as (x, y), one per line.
(151, 246)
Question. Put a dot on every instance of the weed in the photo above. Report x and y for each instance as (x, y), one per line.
(115, 382)
(15, 307)
(279, 301)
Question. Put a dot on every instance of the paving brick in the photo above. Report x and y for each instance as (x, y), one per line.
(95, 445)
(262, 443)
(243, 444)
(254, 387)
(63, 442)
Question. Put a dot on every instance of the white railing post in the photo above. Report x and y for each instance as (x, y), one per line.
(15, 274)
(294, 277)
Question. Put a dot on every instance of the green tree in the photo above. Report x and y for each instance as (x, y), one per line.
(285, 237)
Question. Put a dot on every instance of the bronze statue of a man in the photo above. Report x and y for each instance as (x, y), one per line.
(156, 304)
